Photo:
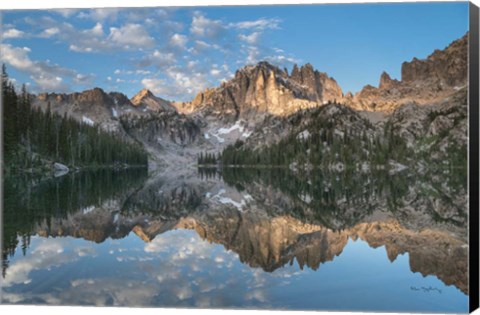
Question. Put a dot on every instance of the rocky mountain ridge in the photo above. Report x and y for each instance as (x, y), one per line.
(423, 82)
(266, 89)
(263, 104)
(146, 99)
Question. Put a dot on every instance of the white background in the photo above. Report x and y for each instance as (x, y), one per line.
(45, 4)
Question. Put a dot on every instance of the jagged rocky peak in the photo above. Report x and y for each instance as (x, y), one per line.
(320, 86)
(424, 82)
(146, 99)
(446, 67)
(265, 88)
(386, 81)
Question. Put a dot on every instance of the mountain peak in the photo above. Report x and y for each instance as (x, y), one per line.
(261, 65)
(386, 81)
(140, 96)
(147, 99)
(265, 88)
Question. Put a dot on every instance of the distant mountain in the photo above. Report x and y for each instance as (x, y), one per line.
(145, 119)
(146, 99)
(93, 106)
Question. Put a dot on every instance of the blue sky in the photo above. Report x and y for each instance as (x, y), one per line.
(177, 52)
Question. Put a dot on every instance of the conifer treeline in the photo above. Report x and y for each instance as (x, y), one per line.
(323, 146)
(33, 138)
(207, 158)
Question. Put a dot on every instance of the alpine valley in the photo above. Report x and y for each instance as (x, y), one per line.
(416, 122)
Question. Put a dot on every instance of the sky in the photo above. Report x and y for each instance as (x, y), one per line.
(178, 52)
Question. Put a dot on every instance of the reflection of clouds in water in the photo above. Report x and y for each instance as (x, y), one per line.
(48, 253)
(85, 251)
(214, 276)
(110, 291)
(176, 268)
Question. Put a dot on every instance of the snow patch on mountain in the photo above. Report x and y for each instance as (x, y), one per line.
(304, 135)
(87, 121)
(228, 134)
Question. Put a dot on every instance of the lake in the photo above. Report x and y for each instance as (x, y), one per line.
(239, 238)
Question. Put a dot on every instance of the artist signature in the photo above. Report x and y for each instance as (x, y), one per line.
(426, 289)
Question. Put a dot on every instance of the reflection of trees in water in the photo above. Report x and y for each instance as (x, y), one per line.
(27, 203)
(208, 173)
(347, 197)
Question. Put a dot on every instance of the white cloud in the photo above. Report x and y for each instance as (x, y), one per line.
(179, 40)
(80, 49)
(202, 26)
(94, 39)
(260, 24)
(84, 78)
(41, 21)
(48, 82)
(66, 13)
(49, 32)
(46, 75)
(97, 30)
(163, 57)
(282, 60)
(85, 40)
(253, 54)
(192, 64)
(180, 83)
(250, 39)
(202, 45)
(157, 45)
(13, 33)
(131, 34)
(215, 72)
(154, 85)
(101, 14)
(17, 57)
(158, 59)
(187, 82)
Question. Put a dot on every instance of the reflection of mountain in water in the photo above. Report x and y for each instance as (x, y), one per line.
(271, 218)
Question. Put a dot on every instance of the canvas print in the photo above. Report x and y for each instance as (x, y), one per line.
(298, 157)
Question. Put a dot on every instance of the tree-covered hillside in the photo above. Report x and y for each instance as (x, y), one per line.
(328, 136)
(34, 139)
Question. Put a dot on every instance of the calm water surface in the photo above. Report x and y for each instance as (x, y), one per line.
(240, 239)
